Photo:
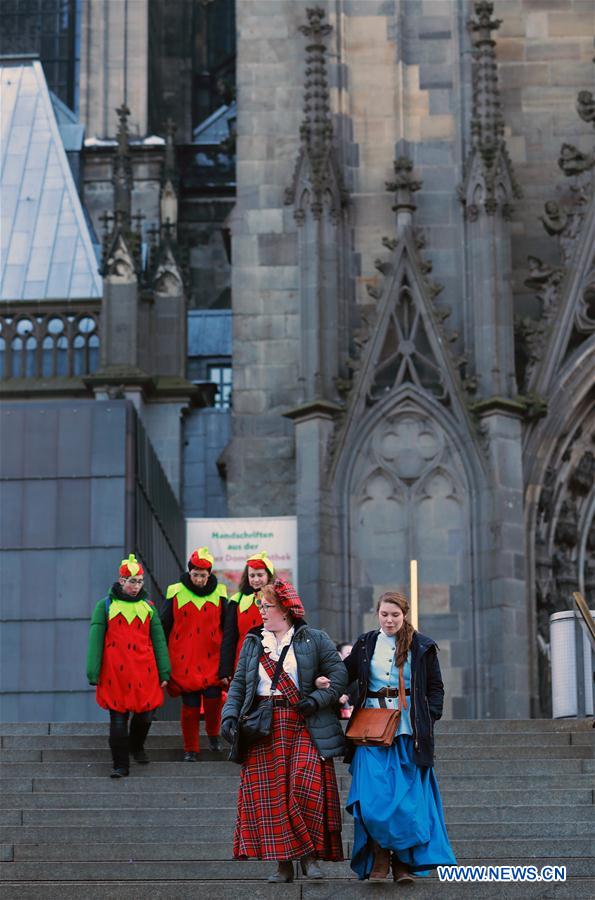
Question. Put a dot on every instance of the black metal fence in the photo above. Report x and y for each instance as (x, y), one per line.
(155, 522)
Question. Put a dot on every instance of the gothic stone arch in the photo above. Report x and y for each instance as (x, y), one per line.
(409, 494)
(560, 508)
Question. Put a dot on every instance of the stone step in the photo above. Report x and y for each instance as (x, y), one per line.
(578, 850)
(444, 726)
(233, 870)
(425, 889)
(201, 800)
(168, 815)
(174, 754)
(215, 784)
(460, 766)
(71, 827)
(174, 741)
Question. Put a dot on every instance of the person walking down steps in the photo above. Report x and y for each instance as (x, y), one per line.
(243, 612)
(194, 618)
(127, 660)
(394, 797)
(288, 802)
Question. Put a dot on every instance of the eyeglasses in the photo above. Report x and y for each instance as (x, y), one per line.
(260, 604)
(135, 581)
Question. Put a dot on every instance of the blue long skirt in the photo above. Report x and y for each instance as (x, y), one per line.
(396, 804)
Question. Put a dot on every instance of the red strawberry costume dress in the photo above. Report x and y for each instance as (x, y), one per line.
(242, 615)
(194, 619)
(129, 677)
(127, 660)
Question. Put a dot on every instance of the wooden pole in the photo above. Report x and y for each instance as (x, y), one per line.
(413, 593)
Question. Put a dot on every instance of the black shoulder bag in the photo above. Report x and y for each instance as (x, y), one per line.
(256, 725)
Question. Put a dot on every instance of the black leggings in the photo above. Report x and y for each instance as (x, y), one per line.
(121, 743)
(118, 727)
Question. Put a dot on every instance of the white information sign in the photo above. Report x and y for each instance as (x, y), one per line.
(232, 541)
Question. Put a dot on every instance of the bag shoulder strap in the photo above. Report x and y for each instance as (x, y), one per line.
(402, 694)
(268, 665)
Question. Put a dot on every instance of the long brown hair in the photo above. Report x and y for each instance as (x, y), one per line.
(245, 587)
(406, 632)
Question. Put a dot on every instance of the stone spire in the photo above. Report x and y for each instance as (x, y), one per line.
(487, 123)
(316, 166)
(122, 170)
(121, 244)
(169, 182)
(488, 160)
(403, 186)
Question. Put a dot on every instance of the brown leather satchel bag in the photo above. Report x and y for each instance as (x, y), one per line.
(377, 727)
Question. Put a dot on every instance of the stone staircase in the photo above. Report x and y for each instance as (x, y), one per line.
(515, 792)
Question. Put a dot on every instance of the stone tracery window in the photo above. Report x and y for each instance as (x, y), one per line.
(406, 356)
(410, 499)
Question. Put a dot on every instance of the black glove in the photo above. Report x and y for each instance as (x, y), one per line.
(307, 707)
(228, 729)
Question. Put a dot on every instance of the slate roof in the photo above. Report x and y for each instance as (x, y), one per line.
(45, 246)
(216, 127)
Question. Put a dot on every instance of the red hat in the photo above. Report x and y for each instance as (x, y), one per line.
(201, 559)
(261, 561)
(131, 567)
(288, 597)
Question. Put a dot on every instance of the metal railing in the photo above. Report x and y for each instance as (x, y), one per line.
(155, 519)
(584, 624)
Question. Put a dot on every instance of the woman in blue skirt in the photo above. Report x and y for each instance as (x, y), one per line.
(394, 797)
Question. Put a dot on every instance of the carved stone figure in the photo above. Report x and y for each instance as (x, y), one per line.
(583, 477)
(585, 104)
(572, 161)
(554, 219)
(566, 527)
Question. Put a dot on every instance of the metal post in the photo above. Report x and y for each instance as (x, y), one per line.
(414, 593)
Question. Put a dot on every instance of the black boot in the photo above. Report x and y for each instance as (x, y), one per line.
(139, 728)
(119, 747)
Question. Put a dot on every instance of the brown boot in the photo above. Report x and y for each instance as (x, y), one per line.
(401, 872)
(381, 865)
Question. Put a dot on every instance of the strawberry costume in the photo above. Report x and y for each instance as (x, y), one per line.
(193, 616)
(242, 612)
(127, 660)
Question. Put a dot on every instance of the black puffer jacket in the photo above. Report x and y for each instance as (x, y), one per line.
(315, 655)
(427, 689)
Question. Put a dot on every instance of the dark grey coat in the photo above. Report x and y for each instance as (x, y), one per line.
(315, 655)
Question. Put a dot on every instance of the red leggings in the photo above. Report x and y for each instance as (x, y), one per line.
(190, 718)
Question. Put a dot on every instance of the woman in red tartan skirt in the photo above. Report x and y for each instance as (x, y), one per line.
(288, 802)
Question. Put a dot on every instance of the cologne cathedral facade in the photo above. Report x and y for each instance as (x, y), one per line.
(389, 206)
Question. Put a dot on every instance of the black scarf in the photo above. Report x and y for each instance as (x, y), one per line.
(199, 591)
(119, 594)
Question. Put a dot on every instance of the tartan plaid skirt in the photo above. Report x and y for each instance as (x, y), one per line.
(288, 801)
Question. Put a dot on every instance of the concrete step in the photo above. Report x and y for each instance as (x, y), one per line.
(579, 850)
(444, 767)
(201, 815)
(202, 800)
(157, 740)
(444, 726)
(75, 827)
(488, 751)
(233, 870)
(216, 784)
(425, 889)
